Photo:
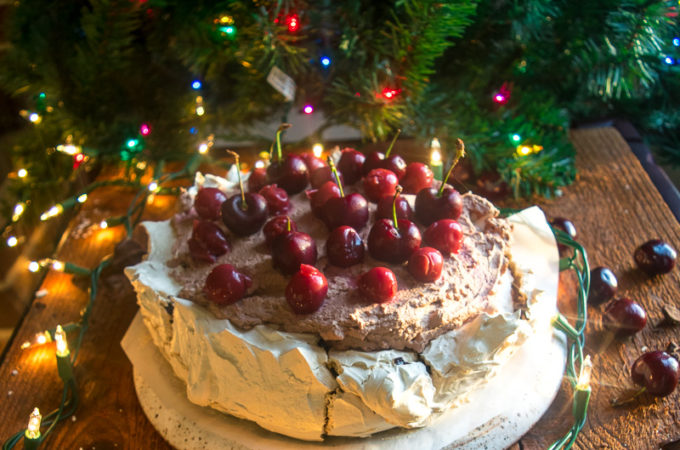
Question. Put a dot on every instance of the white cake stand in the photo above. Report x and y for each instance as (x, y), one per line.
(495, 416)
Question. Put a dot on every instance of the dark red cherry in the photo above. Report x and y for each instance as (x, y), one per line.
(294, 175)
(276, 226)
(351, 165)
(393, 245)
(396, 164)
(624, 317)
(277, 199)
(417, 176)
(319, 197)
(350, 210)
(274, 171)
(257, 179)
(568, 227)
(655, 257)
(291, 249)
(312, 162)
(446, 235)
(378, 285)
(379, 183)
(207, 241)
(657, 372)
(321, 175)
(306, 290)
(430, 206)
(226, 285)
(603, 285)
(244, 219)
(384, 210)
(374, 160)
(425, 264)
(344, 247)
(208, 202)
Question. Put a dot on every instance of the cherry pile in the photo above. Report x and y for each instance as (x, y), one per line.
(393, 238)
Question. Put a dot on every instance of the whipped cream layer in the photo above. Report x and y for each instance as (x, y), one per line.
(419, 312)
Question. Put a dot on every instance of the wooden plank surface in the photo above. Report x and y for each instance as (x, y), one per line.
(613, 204)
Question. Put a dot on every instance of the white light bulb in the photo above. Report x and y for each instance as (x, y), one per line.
(12, 241)
(33, 266)
(21, 173)
(317, 150)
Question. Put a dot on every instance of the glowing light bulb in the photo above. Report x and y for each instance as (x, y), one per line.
(325, 61)
(141, 165)
(82, 198)
(132, 143)
(58, 266)
(153, 186)
(436, 157)
(584, 376)
(317, 149)
(21, 173)
(200, 110)
(228, 20)
(293, 22)
(12, 241)
(53, 211)
(203, 148)
(516, 137)
(34, 117)
(523, 150)
(69, 149)
(308, 109)
(62, 343)
(499, 98)
(676, 42)
(668, 60)
(389, 93)
(259, 164)
(33, 428)
(103, 224)
(33, 266)
(144, 129)
(196, 85)
(19, 209)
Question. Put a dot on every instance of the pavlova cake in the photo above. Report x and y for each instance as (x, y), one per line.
(344, 309)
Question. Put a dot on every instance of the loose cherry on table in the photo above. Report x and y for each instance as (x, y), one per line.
(350, 210)
(393, 240)
(319, 197)
(655, 257)
(603, 285)
(277, 199)
(350, 165)
(244, 214)
(320, 176)
(403, 208)
(624, 317)
(207, 241)
(208, 202)
(378, 285)
(257, 179)
(657, 372)
(417, 176)
(276, 226)
(446, 235)
(226, 285)
(568, 227)
(425, 264)
(444, 203)
(379, 183)
(291, 249)
(344, 247)
(306, 290)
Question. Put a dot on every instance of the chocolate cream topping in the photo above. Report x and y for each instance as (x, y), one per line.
(419, 313)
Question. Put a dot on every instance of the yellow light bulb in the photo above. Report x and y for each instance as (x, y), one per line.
(60, 339)
(226, 20)
(153, 186)
(82, 198)
(141, 165)
(33, 429)
(12, 241)
(199, 100)
(436, 157)
(200, 110)
(584, 376)
(103, 224)
(203, 148)
(317, 150)
(42, 338)
(18, 211)
(53, 211)
(21, 173)
(69, 149)
(33, 266)
(523, 150)
(34, 117)
(58, 266)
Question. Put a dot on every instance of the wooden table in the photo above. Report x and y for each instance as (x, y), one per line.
(613, 205)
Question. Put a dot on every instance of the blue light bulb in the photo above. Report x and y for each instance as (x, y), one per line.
(196, 85)
(676, 42)
(668, 60)
(325, 61)
(193, 130)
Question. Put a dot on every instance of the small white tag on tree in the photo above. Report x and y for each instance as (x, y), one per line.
(282, 83)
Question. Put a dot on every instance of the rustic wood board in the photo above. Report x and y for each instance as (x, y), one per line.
(615, 208)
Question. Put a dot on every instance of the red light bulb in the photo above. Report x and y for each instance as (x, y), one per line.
(293, 22)
(308, 109)
(144, 130)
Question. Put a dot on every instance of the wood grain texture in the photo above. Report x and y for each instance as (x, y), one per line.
(613, 205)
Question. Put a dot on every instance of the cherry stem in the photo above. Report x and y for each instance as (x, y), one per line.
(287, 223)
(627, 397)
(244, 205)
(335, 174)
(394, 206)
(460, 153)
(282, 128)
(394, 139)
